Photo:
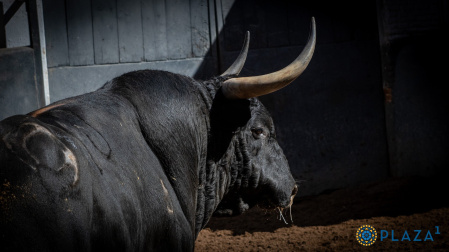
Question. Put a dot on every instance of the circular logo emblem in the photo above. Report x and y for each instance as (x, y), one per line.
(366, 235)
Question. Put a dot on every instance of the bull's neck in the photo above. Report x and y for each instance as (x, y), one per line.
(224, 155)
(216, 180)
(226, 159)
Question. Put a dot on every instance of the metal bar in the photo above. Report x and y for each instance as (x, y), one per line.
(36, 37)
(43, 51)
(11, 11)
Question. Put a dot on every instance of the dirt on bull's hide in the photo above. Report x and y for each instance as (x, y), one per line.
(329, 221)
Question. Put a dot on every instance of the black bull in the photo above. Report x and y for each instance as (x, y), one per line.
(143, 162)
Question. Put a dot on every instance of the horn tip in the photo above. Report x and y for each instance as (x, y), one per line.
(313, 26)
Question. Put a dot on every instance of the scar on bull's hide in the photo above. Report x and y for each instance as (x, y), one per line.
(70, 160)
(37, 129)
(69, 157)
(34, 161)
(167, 198)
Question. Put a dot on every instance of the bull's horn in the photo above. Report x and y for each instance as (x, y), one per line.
(247, 87)
(237, 66)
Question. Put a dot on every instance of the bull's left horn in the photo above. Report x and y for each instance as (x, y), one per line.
(247, 87)
(237, 66)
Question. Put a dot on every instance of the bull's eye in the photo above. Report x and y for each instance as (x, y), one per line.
(258, 132)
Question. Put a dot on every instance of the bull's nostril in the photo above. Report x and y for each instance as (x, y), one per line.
(295, 190)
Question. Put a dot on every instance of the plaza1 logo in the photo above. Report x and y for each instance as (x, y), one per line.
(366, 235)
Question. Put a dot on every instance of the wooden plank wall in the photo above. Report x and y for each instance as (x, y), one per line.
(96, 32)
(81, 46)
(105, 32)
(56, 33)
(154, 30)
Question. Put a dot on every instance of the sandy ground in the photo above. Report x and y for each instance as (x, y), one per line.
(329, 221)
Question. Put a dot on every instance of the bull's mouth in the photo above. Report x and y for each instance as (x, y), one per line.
(232, 206)
(272, 200)
(279, 209)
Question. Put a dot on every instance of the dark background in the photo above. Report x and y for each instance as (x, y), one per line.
(371, 105)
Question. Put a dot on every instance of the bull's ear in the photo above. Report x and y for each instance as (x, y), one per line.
(247, 87)
(237, 66)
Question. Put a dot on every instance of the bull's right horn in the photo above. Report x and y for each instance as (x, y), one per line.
(247, 87)
(237, 66)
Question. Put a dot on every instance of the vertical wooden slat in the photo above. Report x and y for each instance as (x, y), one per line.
(130, 30)
(212, 28)
(104, 17)
(56, 33)
(220, 35)
(2, 28)
(179, 36)
(226, 6)
(200, 27)
(154, 30)
(79, 26)
(231, 15)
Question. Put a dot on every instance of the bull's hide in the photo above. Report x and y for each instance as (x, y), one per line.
(142, 163)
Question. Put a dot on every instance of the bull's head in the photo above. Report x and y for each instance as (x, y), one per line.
(259, 172)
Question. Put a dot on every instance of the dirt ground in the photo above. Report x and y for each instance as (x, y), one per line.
(329, 221)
